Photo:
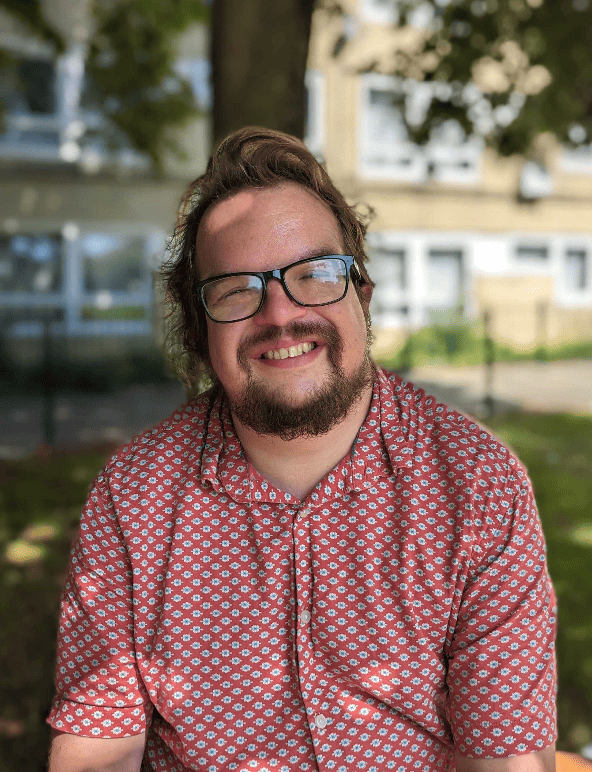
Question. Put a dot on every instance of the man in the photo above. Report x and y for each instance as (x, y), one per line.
(312, 566)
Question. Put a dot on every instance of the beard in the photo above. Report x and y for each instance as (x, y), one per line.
(267, 411)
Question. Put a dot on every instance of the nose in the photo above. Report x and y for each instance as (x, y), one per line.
(278, 309)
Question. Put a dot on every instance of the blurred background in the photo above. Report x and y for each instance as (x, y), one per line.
(463, 130)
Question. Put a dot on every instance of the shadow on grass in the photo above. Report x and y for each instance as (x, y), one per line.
(40, 502)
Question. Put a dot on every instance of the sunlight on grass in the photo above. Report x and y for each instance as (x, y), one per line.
(40, 532)
(582, 534)
(22, 552)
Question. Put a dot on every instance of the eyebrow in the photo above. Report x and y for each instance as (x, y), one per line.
(309, 254)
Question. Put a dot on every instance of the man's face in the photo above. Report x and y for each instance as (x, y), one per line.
(305, 394)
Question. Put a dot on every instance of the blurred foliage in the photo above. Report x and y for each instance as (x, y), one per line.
(130, 72)
(509, 71)
(130, 67)
(40, 502)
(30, 12)
(530, 60)
(464, 343)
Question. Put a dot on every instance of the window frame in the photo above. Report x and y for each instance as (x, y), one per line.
(405, 162)
(72, 298)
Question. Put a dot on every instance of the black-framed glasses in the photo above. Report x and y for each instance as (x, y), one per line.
(316, 281)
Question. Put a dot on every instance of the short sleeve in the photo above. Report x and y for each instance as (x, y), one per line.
(501, 662)
(98, 689)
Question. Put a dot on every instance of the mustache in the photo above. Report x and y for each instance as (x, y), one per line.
(296, 330)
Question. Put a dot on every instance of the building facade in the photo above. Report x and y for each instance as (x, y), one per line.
(83, 223)
(449, 236)
(83, 227)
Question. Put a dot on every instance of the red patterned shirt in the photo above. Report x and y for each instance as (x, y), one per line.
(402, 611)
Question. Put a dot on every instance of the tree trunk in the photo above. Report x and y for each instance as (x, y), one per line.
(259, 52)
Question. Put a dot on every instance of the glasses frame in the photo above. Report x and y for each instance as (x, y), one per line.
(279, 274)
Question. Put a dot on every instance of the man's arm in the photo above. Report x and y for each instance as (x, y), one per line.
(541, 761)
(73, 753)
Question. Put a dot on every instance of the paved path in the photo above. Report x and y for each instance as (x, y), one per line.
(94, 419)
(561, 387)
(82, 418)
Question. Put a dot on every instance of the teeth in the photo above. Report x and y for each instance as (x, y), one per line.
(293, 351)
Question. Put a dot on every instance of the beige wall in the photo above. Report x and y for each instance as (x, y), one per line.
(488, 205)
(491, 203)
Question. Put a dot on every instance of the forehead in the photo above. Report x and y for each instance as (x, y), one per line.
(261, 228)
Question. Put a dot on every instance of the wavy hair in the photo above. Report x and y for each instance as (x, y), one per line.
(252, 157)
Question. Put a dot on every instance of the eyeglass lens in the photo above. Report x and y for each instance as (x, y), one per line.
(310, 283)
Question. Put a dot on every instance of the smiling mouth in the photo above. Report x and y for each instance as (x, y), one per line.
(289, 353)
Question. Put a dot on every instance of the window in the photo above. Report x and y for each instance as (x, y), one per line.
(532, 253)
(451, 157)
(29, 87)
(388, 270)
(385, 151)
(96, 283)
(114, 275)
(380, 11)
(29, 92)
(445, 279)
(314, 133)
(31, 264)
(576, 269)
(535, 181)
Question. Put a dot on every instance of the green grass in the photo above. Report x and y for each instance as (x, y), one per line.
(40, 502)
(557, 451)
(463, 343)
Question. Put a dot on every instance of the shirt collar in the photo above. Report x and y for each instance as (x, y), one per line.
(381, 446)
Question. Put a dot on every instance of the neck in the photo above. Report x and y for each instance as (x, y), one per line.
(298, 465)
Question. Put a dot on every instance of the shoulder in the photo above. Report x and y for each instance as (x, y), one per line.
(176, 441)
(447, 436)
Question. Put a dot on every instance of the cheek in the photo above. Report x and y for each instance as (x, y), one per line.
(223, 341)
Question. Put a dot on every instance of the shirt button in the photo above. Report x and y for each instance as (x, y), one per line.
(321, 721)
(305, 617)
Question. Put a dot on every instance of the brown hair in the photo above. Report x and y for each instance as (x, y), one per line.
(252, 157)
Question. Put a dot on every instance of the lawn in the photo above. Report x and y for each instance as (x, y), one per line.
(40, 501)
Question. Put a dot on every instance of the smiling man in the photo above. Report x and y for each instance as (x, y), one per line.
(312, 565)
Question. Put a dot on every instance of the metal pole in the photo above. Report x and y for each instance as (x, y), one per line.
(489, 360)
(48, 385)
(542, 309)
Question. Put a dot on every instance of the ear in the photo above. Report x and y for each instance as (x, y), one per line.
(365, 294)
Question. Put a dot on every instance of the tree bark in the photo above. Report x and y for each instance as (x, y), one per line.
(259, 52)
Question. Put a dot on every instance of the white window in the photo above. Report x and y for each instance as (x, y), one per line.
(96, 283)
(29, 90)
(532, 254)
(445, 279)
(576, 269)
(451, 157)
(31, 264)
(314, 127)
(380, 11)
(115, 277)
(388, 270)
(385, 151)
(535, 181)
